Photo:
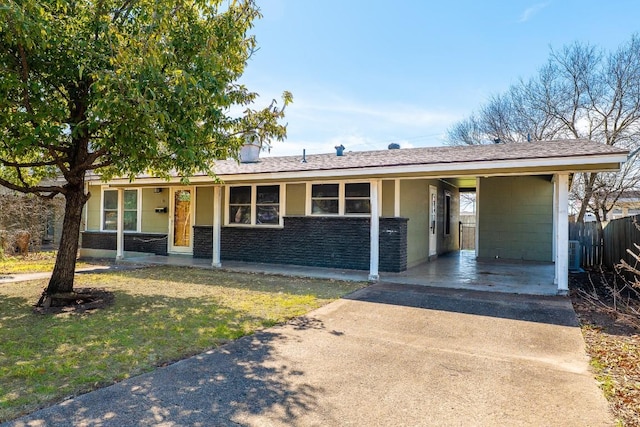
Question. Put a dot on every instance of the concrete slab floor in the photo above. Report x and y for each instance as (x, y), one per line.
(456, 270)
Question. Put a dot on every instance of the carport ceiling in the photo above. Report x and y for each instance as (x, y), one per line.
(467, 183)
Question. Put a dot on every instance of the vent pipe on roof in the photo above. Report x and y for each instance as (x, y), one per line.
(394, 146)
(339, 150)
(304, 156)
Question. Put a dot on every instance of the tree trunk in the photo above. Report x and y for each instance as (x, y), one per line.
(63, 273)
(589, 180)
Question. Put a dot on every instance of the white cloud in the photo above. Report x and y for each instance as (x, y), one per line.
(530, 12)
(320, 118)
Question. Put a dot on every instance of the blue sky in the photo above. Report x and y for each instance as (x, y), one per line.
(367, 73)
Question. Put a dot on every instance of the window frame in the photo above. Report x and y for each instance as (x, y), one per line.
(447, 212)
(254, 205)
(341, 198)
(138, 209)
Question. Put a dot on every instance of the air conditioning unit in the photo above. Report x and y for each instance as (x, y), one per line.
(574, 256)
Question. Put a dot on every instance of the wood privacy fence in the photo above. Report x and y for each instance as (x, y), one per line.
(591, 243)
(620, 235)
(607, 246)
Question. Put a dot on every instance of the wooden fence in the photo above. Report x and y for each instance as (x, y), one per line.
(620, 235)
(607, 246)
(591, 242)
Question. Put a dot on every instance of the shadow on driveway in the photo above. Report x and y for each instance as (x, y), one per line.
(554, 310)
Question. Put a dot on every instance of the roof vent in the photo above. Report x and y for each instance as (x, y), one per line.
(339, 150)
(497, 141)
(304, 156)
(394, 146)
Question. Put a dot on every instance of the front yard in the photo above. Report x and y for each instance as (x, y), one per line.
(160, 315)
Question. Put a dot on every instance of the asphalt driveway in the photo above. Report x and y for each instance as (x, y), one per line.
(387, 355)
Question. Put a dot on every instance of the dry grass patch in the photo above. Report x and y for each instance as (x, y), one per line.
(36, 262)
(160, 315)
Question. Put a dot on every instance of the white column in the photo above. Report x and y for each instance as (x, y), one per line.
(396, 199)
(120, 225)
(477, 230)
(217, 218)
(374, 257)
(562, 233)
(555, 221)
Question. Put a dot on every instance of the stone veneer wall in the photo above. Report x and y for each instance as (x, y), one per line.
(155, 243)
(337, 242)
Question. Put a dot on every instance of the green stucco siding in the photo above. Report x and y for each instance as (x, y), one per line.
(388, 198)
(152, 221)
(204, 206)
(94, 208)
(296, 199)
(414, 198)
(516, 218)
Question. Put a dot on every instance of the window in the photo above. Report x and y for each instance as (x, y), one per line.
(254, 205)
(340, 199)
(357, 198)
(268, 204)
(240, 205)
(447, 213)
(324, 199)
(110, 210)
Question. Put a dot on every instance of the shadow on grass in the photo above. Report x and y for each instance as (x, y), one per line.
(71, 354)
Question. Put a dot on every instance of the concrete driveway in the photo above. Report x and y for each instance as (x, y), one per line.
(387, 355)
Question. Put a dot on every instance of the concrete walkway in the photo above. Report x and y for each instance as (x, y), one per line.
(455, 270)
(398, 355)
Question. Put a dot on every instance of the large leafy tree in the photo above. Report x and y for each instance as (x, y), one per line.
(119, 88)
(581, 93)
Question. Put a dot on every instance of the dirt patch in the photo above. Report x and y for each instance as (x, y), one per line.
(79, 301)
(612, 340)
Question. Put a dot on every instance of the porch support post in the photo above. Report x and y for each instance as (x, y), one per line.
(374, 257)
(562, 233)
(120, 226)
(477, 227)
(217, 217)
(396, 198)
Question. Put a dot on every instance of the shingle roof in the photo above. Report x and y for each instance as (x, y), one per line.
(420, 156)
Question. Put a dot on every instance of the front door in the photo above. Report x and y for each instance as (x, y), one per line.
(182, 209)
(433, 220)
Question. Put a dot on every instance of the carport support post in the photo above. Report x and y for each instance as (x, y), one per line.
(374, 257)
(562, 232)
(217, 214)
(120, 226)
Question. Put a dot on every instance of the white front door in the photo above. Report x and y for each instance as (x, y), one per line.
(181, 220)
(433, 220)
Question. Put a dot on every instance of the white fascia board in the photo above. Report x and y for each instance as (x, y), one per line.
(563, 164)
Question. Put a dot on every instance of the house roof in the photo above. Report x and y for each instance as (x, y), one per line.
(544, 157)
(420, 156)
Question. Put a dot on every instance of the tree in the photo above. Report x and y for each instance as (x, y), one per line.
(581, 93)
(120, 88)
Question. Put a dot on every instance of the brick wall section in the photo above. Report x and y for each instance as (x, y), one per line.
(314, 241)
(135, 242)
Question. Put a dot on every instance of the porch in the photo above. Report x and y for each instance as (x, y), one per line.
(456, 270)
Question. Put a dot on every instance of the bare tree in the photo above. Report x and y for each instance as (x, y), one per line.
(581, 93)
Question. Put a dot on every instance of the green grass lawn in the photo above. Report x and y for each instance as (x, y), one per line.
(37, 262)
(160, 314)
